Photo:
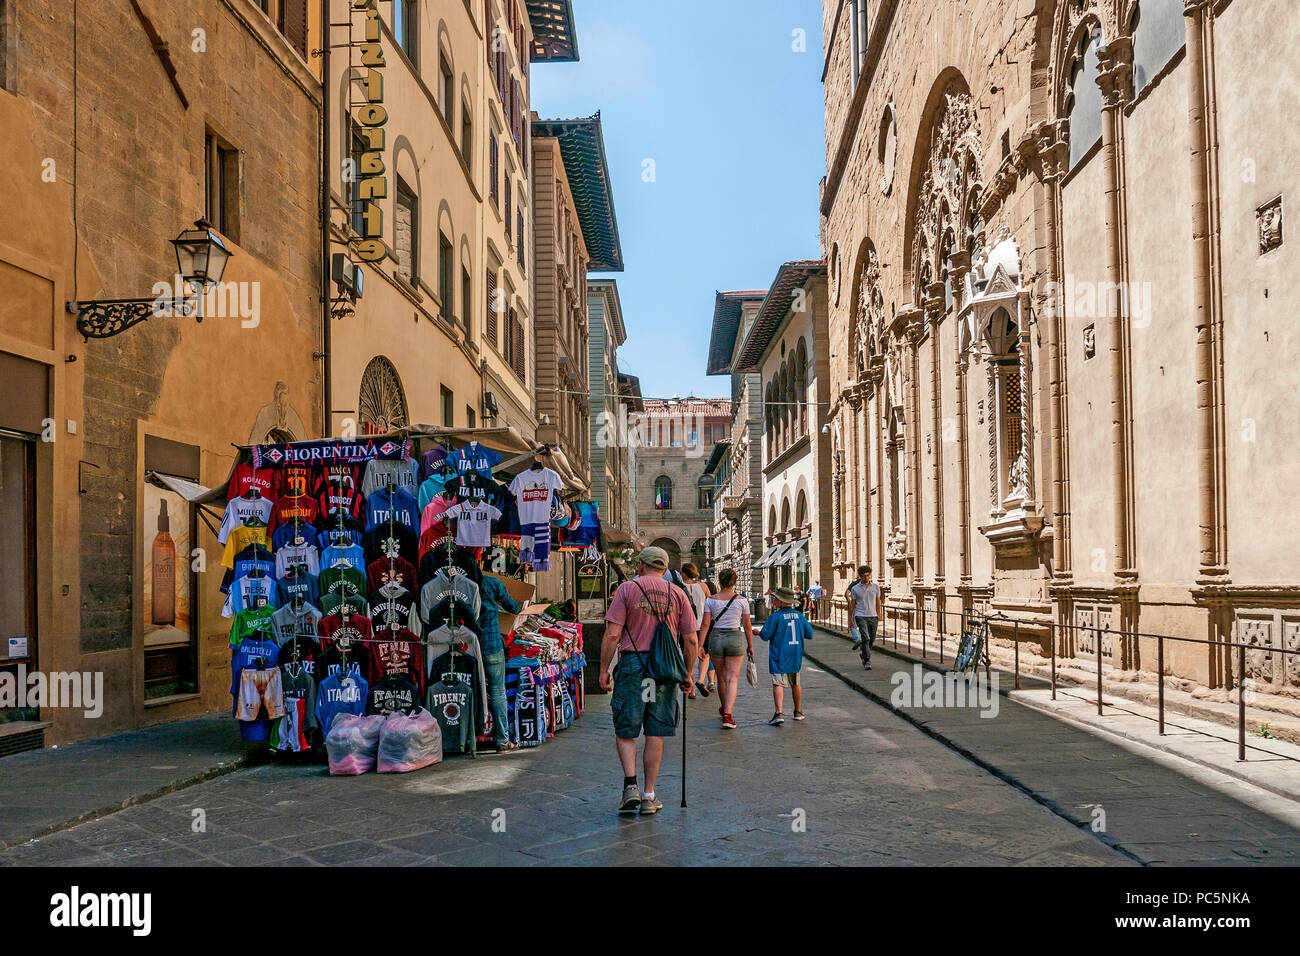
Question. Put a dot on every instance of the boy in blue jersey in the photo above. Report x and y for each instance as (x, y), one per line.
(786, 629)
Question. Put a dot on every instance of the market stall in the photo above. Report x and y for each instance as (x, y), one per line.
(365, 577)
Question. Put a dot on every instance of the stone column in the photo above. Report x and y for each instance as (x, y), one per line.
(857, 484)
(934, 310)
(1114, 77)
(960, 267)
(1208, 437)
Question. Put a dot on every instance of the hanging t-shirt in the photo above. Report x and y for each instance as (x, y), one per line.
(475, 457)
(470, 486)
(250, 591)
(400, 508)
(252, 560)
(433, 486)
(244, 536)
(242, 511)
(533, 490)
(290, 623)
(245, 476)
(473, 523)
(298, 583)
(304, 556)
(342, 530)
(335, 500)
(286, 535)
(336, 556)
(295, 481)
(339, 476)
(253, 622)
(302, 509)
(254, 652)
(404, 474)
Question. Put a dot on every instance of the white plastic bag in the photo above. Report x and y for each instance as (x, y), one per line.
(751, 672)
(352, 743)
(409, 742)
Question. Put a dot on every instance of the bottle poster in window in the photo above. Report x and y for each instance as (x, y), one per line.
(166, 543)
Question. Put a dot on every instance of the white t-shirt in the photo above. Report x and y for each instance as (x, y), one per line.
(731, 619)
(864, 598)
(698, 595)
(242, 511)
(532, 491)
(473, 522)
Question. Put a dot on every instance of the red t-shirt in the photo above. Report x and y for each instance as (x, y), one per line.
(637, 616)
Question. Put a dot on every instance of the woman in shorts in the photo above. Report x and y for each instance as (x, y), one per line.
(728, 638)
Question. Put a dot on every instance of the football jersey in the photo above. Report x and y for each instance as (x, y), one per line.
(240, 511)
(290, 623)
(241, 537)
(245, 476)
(302, 509)
(452, 705)
(297, 584)
(337, 556)
(390, 571)
(399, 508)
(285, 535)
(254, 559)
(250, 653)
(342, 530)
(475, 457)
(334, 500)
(341, 692)
(257, 622)
(473, 523)
(393, 693)
(405, 475)
(303, 556)
(340, 476)
(251, 592)
(295, 481)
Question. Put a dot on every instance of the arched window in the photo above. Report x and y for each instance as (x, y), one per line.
(1083, 104)
(837, 499)
(705, 489)
(1004, 349)
(381, 406)
(785, 515)
(801, 385)
(897, 513)
(771, 524)
(1158, 34)
(801, 511)
(663, 493)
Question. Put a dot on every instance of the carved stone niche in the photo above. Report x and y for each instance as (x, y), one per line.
(1269, 218)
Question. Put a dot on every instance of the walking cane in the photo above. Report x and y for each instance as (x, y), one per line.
(684, 701)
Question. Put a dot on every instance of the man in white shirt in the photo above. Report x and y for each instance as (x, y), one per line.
(863, 596)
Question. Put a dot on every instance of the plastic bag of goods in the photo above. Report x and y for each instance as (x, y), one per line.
(352, 743)
(409, 742)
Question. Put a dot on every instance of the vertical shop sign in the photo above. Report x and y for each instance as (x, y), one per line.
(371, 117)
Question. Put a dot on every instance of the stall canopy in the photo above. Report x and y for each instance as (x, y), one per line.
(766, 560)
(792, 550)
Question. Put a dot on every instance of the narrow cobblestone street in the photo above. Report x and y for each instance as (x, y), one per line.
(872, 789)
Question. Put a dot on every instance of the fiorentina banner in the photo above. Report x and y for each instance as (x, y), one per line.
(330, 452)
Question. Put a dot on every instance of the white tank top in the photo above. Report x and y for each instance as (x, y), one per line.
(731, 619)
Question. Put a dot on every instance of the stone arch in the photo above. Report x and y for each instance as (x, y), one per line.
(867, 312)
(381, 402)
(673, 549)
(785, 511)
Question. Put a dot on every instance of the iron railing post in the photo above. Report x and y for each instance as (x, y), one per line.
(1097, 634)
(1053, 635)
(1241, 701)
(1015, 636)
(1160, 680)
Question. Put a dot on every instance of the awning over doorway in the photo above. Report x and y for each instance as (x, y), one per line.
(791, 550)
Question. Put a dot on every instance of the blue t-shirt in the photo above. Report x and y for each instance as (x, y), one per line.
(249, 592)
(786, 629)
(478, 458)
(285, 533)
(246, 655)
(401, 507)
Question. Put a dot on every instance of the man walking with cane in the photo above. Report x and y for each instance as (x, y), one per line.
(639, 704)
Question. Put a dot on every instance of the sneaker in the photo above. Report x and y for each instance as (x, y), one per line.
(650, 806)
(631, 801)
(798, 715)
(777, 719)
(508, 746)
(713, 685)
(866, 667)
(728, 721)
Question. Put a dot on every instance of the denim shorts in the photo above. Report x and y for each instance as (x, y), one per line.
(727, 642)
(632, 712)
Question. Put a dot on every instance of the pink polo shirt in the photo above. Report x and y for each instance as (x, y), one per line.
(630, 609)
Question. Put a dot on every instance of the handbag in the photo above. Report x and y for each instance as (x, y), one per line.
(666, 664)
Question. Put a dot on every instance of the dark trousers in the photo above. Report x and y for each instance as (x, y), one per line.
(866, 628)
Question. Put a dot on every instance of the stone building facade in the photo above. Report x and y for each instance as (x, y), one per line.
(736, 541)
(118, 130)
(608, 411)
(674, 500)
(1041, 219)
(786, 345)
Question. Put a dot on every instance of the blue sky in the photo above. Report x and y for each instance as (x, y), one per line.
(714, 93)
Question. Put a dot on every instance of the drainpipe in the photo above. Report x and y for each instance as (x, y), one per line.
(327, 423)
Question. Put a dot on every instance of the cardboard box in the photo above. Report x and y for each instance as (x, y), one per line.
(521, 591)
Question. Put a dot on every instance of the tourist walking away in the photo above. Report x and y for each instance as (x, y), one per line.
(495, 599)
(698, 594)
(786, 630)
(728, 636)
(864, 598)
(639, 703)
(815, 595)
(711, 587)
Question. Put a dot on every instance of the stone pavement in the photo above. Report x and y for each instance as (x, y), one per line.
(1157, 809)
(853, 784)
(45, 790)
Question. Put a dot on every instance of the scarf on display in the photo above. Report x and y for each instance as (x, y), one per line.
(330, 452)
